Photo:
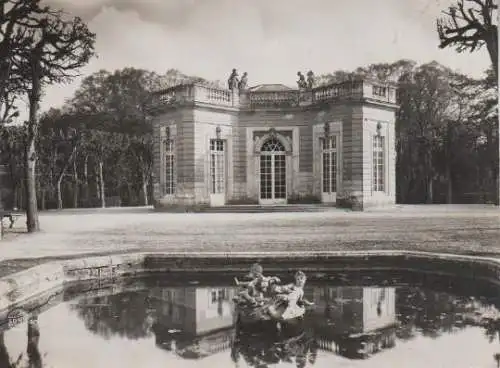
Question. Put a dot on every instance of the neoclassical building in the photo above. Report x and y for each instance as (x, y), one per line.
(271, 144)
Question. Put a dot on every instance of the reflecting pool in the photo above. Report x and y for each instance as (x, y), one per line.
(379, 320)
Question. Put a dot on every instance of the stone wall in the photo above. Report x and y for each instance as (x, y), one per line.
(20, 289)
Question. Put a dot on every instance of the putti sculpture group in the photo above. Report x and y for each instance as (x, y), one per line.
(234, 83)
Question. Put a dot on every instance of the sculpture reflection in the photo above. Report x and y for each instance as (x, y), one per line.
(292, 343)
(355, 322)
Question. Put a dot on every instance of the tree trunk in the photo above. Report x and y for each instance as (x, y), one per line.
(30, 172)
(32, 222)
(86, 189)
(42, 199)
(75, 185)
(15, 196)
(61, 176)
(32, 347)
(492, 46)
(145, 183)
(130, 193)
(4, 354)
(430, 189)
(449, 191)
(19, 197)
(101, 184)
(59, 192)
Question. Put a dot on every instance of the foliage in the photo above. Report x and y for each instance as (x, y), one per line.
(40, 46)
(446, 132)
(446, 138)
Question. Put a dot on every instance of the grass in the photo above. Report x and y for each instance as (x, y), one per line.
(472, 230)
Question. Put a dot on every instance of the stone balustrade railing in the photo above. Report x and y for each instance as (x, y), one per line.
(338, 91)
(212, 95)
(202, 94)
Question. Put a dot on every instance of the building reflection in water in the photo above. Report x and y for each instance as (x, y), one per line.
(198, 321)
(354, 321)
(193, 321)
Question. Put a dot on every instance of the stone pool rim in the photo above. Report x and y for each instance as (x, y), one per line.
(18, 287)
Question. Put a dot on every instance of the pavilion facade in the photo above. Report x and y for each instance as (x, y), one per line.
(271, 144)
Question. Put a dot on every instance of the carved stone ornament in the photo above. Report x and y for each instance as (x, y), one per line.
(256, 144)
(327, 129)
(218, 132)
(290, 143)
(273, 133)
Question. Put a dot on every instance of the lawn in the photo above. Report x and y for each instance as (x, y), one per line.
(73, 233)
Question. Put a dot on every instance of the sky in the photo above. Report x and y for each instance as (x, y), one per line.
(269, 39)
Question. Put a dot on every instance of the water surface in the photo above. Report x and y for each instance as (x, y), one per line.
(381, 321)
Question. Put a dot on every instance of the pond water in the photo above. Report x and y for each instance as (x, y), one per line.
(381, 320)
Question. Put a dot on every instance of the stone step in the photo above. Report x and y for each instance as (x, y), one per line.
(268, 208)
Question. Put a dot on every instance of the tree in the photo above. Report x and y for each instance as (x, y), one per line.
(53, 48)
(119, 101)
(11, 155)
(470, 27)
(15, 16)
(8, 107)
(60, 137)
(140, 148)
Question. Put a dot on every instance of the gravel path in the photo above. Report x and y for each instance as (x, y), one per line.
(71, 233)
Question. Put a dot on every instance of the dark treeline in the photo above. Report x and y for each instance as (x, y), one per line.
(96, 150)
(446, 132)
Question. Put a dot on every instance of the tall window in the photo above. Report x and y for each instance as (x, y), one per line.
(273, 170)
(217, 166)
(329, 164)
(218, 295)
(169, 167)
(379, 91)
(378, 163)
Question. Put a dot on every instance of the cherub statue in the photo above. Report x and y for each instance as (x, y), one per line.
(243, 81)
(233, 80)
(310, 79)
(302, 81)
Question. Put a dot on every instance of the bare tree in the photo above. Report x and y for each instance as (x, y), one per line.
(53, 48)
(469, 27)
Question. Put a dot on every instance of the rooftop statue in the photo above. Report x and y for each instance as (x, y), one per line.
(243, 82)
(310, 79)
(233, 80)
(302, 81)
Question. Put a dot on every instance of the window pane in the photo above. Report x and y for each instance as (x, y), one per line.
(169, 184)
(217, 166)
(378, 164)
(329, 164)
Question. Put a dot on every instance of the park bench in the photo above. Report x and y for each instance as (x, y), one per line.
(11, 215)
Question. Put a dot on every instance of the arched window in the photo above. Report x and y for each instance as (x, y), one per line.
(272, 170)
(272, 145)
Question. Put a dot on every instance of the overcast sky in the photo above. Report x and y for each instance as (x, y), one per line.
(270, 39)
